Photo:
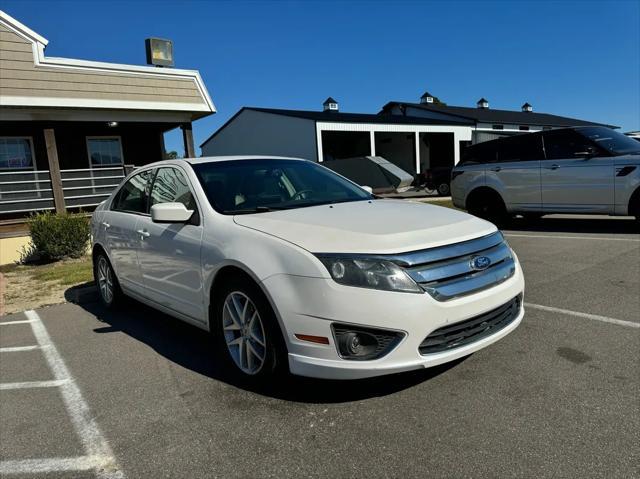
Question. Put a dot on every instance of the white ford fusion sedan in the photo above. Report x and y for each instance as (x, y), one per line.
(290, 265)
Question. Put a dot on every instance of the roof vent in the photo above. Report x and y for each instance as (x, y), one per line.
(527, 107)
(330, 105)
(426, 98)
(482, 103)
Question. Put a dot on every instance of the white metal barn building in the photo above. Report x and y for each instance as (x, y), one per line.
(414, 136)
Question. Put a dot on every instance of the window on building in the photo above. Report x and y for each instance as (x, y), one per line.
(523, 128)
(497, 127)
(16, 153)
(104, 151)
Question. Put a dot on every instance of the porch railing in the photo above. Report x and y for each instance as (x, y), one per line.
(24, 192)
(85, 188)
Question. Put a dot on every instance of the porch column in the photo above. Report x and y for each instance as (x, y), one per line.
(187, 137)
(54, 170)
(417, 138)
(372, 140)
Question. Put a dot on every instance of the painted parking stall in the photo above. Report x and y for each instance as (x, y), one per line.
(97, 456)
(562, 387)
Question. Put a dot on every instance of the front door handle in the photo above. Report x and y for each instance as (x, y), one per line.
(553, 167)
(496, 168)
(143, 233)
(106, 225)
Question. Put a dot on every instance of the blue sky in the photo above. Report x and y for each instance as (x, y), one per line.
(579, 59)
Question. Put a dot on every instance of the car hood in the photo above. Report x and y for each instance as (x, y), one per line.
(377, 226)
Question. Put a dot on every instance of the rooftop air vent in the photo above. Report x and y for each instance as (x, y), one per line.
(482, 103)
(330, 105)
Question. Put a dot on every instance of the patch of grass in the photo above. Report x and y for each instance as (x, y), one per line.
(445, 203)
(64, 272)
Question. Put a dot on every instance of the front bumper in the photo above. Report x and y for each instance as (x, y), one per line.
(309, 305)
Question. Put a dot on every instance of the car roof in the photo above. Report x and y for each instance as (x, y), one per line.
(210, 159)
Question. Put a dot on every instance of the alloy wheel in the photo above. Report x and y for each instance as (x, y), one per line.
(244, 333)
(105, 280)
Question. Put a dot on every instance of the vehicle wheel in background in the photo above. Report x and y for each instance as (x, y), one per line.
(444, 189)
(108, 286)
(489, 206)
(247, 332)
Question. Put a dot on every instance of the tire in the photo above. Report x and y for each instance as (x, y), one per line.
(109, 291)
(444, 189)
(489, 207)
(247, 333)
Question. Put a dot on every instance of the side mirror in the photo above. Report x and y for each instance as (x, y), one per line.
(170, 213)
(368, 189)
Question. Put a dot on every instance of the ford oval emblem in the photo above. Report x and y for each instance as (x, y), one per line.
(480, 263)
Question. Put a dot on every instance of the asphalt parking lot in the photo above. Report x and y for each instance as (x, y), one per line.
(85, 392)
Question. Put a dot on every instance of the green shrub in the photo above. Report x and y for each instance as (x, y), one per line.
(56, 236)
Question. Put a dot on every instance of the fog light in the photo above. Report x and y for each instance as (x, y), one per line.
(354, 342)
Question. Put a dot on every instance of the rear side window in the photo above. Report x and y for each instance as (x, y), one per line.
(565, 144)
(171, 186)
(526, 147)
(480, 153)
(132, 197)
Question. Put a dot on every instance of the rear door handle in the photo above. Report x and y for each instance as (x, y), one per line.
(143, 233)
(496, 168)
(106, 225)
(553, 167)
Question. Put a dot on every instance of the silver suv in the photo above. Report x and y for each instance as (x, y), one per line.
(593, 170)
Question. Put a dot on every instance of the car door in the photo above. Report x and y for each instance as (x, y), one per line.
(169, 254)
(516, 174)
(576, 175)
(120, 224)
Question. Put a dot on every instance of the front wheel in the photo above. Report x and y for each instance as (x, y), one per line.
(106, 281)
(247, 332)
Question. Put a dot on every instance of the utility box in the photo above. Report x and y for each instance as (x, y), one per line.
(374, 171)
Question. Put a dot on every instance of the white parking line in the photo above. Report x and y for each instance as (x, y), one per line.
(594, 317)
(22, 321)
(99, 456)
(54, 464)
(14, 349)
(32, 384)
(512, 235)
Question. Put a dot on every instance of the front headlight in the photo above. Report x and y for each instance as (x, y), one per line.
(369, 273)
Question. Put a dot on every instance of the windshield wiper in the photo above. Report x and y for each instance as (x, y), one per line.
(257, 209)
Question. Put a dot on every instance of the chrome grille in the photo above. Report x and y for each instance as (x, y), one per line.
(446, 272)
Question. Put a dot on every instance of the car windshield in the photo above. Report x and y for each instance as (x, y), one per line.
(260, 185)
(612, 141)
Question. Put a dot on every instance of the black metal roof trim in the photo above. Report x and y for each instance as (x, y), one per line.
(488, 115)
